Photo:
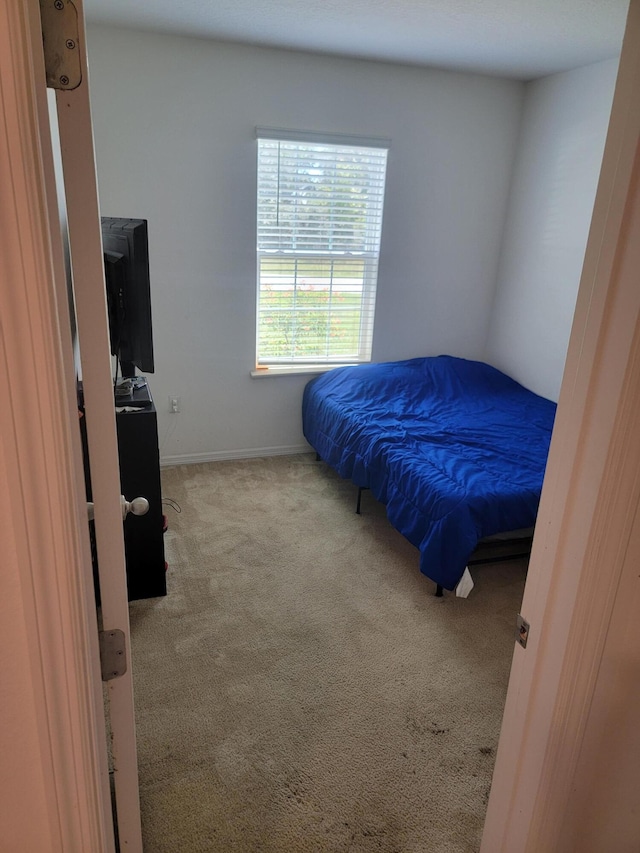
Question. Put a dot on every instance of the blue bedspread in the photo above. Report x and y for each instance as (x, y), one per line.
(455, 449)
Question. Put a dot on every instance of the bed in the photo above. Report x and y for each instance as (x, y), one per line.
(455, 449)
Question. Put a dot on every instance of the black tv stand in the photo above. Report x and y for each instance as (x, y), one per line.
(140, 476)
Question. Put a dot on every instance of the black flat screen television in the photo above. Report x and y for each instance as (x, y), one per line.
(126, 267)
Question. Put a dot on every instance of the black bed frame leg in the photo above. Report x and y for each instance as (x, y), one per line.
(361, 489)
(318, 458)
(438, 592)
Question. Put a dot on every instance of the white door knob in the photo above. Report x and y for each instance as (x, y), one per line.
(138, 506)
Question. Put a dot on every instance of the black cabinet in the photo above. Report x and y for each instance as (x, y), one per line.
(140, 477)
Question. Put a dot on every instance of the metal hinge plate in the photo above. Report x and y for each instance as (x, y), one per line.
(60, 36)
(113, 654)
(522, 631)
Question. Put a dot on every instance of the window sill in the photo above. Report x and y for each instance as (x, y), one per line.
(301, 370)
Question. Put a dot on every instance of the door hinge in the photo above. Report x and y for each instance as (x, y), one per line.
(522, 631)
(60, 38)
(113, 654)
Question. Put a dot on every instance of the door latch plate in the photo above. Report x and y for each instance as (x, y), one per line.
(522, 631)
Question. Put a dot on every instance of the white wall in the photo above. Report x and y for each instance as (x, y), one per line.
(553, 188)
(174, 126)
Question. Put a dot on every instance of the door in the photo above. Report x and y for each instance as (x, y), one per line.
(89, 300)
(562, 733)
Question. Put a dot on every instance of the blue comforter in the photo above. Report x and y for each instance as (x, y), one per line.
(455, 449)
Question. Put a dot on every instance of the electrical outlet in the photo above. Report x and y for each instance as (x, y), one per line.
(174, 405)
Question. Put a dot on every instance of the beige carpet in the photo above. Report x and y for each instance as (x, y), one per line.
(301, 688)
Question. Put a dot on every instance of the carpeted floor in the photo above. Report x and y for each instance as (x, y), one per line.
(301, 688)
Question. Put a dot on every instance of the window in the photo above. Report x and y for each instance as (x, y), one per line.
(319, 222)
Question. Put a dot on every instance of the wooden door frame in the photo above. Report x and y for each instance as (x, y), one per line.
(585, 521)
(59, 800)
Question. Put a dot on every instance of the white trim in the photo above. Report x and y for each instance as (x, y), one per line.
(224, 455)
(347, 139)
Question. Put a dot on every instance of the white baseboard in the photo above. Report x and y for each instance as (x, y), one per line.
(222, 455)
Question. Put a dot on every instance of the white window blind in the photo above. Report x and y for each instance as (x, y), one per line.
(319, 225)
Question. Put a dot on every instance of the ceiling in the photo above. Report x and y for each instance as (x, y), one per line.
(522, 39)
